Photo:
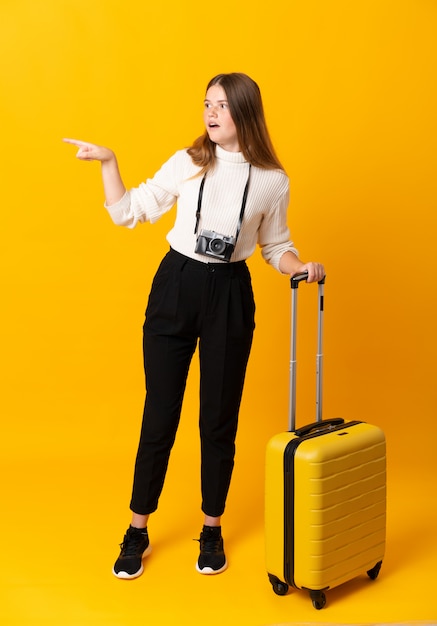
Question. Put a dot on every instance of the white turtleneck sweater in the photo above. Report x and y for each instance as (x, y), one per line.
(177, 183)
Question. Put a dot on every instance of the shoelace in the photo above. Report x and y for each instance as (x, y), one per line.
(210, 545)
(131, 543)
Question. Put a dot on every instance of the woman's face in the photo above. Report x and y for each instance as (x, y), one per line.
(218, 121)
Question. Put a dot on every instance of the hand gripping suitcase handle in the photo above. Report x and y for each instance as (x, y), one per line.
(298, 278)
(295, 281)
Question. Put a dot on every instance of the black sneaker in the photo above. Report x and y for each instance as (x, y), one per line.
(135, 545)
(212, 559)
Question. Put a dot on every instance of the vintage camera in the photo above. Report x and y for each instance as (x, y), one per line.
(213, 244)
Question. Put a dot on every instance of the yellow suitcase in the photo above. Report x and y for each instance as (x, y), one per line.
(325, 494)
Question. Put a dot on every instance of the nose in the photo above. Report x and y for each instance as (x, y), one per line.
(212, 110)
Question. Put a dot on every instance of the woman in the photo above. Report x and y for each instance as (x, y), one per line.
(232, 194)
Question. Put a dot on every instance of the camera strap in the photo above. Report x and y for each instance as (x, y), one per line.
(243, 204)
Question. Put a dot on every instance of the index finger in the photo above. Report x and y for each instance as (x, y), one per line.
(76, 142)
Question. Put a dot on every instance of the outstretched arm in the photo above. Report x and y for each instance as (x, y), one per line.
(112, 182)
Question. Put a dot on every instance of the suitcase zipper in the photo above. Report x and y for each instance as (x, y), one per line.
(289, 499)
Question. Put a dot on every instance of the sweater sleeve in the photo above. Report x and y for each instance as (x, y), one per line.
(274, 234)
(150, 200)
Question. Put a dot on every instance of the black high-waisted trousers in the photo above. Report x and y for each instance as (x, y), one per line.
(192, 301)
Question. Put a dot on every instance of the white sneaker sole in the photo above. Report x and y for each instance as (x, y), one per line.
(125, 576)
(209, 571)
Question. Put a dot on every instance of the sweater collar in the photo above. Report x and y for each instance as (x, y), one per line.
(230, 157)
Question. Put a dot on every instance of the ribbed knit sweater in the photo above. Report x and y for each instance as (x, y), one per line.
(178, 183)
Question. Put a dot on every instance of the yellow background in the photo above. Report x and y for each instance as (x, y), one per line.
(350, 95)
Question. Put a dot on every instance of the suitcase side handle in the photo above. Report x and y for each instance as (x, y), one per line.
(325, 424)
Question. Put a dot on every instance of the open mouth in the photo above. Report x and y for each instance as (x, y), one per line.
(212, 125)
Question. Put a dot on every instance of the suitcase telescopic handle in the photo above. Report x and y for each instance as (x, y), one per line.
(295, 281)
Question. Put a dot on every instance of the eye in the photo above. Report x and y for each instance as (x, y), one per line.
(224, 105)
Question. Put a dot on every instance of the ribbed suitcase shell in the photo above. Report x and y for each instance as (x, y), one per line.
(325, 505)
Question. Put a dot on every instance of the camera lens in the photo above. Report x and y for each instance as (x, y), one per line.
(217, 246)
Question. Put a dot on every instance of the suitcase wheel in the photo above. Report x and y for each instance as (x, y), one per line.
(373, 573)
(318, 599)
(279, 587)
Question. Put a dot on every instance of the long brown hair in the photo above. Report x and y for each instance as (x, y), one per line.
(246, 108)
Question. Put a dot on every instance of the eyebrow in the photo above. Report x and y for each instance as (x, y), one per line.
(206, 100)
